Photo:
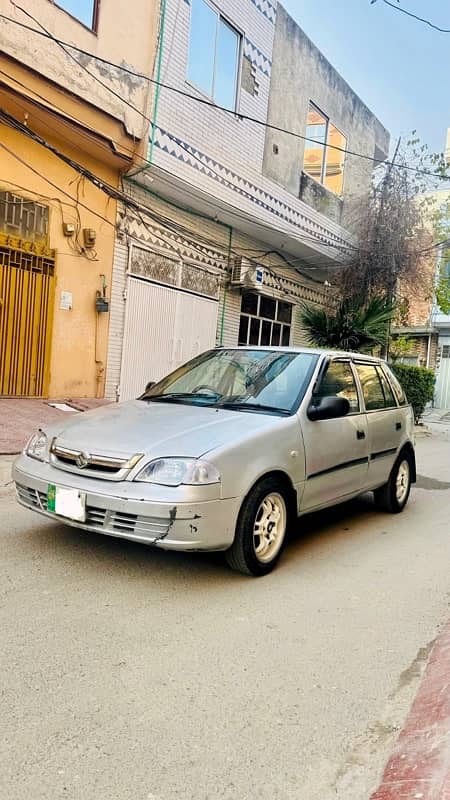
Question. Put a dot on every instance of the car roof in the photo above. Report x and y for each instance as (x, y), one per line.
(320, 351)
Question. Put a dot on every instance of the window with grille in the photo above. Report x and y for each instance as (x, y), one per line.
(264, 321)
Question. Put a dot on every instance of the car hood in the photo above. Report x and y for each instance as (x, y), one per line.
(157, 429)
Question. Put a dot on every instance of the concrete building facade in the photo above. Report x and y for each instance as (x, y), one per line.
(223, 236)
(67, 81)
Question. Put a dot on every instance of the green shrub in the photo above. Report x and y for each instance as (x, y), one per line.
(418, 385)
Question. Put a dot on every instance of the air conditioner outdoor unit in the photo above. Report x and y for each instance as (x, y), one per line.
(246, 273)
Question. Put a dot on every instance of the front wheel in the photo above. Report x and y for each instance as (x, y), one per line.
(393, 496)
(261, 529)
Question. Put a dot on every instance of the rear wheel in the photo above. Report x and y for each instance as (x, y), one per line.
(261, 529)
(393, 496)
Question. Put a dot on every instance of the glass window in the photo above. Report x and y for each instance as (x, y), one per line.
(371, 386)
(398, 391)
(257, 324)
(322, 161)
(339, 380)
(389, 399)
(214, 52)
(334, 166)
(286, 336)
(268, 307)
(83, 10)
(316, 128)
(243, 330)
(249, 303)
(239, 379)
(284, 312)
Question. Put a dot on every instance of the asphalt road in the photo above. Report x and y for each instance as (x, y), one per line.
(132, 674)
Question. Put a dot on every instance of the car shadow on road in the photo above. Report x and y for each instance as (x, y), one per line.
(95, 551)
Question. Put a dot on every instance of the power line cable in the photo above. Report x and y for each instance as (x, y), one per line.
(201, 100)
(136, 207)
(414, 16)
(92, 136)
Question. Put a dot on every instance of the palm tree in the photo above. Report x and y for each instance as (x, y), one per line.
(353, 325)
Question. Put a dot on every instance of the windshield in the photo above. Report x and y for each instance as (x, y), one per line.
(264, 381)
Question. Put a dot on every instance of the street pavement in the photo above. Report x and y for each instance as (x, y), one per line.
(132, 674)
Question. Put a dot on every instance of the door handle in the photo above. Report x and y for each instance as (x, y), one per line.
(360, 435)
(398, 426)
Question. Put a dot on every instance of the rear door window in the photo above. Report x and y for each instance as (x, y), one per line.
(389, 399)
(373, 394)
(398, 391)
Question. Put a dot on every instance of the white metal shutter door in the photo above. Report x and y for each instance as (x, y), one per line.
(148, 342)
(442, 394)
(196, 325)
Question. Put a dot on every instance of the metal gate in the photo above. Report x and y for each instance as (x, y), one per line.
(26, 315)
(442, 394)
(164, 327)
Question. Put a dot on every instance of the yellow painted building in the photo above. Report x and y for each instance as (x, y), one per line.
(57, 228)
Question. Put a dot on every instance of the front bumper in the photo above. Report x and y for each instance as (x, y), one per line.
(169, 524)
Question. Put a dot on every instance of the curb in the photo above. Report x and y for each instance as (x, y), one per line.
(419, 767)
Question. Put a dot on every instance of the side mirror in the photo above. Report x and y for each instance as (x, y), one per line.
(328, 408)
(150, 384)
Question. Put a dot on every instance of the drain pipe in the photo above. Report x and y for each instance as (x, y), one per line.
(225, 288)
(163, 11)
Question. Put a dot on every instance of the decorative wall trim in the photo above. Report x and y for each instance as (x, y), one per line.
(195, 158)
(267, 8)
(257, 58)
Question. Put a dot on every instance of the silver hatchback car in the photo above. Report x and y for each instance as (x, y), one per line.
(227, 451)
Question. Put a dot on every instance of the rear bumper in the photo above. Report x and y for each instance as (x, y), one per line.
(208, 525)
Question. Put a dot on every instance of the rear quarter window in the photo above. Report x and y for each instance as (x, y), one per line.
(400, 395)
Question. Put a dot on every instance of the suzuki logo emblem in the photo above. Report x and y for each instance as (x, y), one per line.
(82, 460)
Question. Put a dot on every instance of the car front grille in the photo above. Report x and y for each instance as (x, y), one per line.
(115, 523)
(112, 468)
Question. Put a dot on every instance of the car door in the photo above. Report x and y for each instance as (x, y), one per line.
(385, 422)
(336, 450)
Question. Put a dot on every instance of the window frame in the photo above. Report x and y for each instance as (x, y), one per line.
(313, 106)
(95, 15)
(240, 34)
(262, 319)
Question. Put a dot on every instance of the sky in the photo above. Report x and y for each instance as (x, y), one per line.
(399, 67)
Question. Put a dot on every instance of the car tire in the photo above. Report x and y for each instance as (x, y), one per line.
(261, 529)
(393, 496)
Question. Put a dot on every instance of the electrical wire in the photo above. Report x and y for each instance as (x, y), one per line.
(92, 136)
(275, 276)
(414, 16)
(64, 45)
(159, 219)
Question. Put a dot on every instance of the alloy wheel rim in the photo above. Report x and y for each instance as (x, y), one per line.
(270, 527)
(402, 482)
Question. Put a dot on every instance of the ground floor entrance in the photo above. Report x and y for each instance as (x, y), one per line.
(26, 313)
(164, 327)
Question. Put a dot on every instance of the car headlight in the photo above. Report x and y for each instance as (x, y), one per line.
(37, 446)
(179, 471)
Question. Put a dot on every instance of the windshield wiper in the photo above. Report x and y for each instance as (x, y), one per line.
(173, 397)
(235, 405)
